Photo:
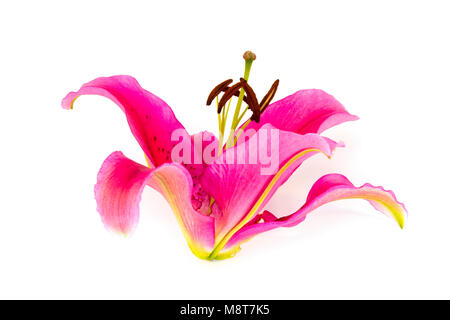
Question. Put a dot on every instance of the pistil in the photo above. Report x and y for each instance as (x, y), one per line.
(249, 58)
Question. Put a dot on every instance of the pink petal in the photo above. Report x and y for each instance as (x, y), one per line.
(240, 190)
(204, 147)
(306, 111)
(150, 119)
(118, 192)
(329, 188)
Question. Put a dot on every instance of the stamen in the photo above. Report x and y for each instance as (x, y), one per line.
(252, 100)
(221, 87)
(269, 96)
(217, 90)
(245, 93)
(233, 90)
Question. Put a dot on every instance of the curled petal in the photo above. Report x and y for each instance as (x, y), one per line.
(151, 120)
(241, 186)
(329, 188)
(118, 192)
(306, 111)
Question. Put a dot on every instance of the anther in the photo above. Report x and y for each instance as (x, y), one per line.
(223, 86)
(252, 100)
(269, 96)
(228, 94)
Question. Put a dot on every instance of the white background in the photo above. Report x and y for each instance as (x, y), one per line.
(386, 61)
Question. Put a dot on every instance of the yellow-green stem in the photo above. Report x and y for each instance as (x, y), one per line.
(241, 130)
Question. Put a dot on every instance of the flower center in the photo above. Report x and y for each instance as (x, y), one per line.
(244, 92)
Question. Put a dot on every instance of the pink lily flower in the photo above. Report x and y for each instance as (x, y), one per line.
(220, 204)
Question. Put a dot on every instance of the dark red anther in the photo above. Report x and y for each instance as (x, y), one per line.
(249, 97)
(233, 90)
(223, 86)
(269, 96)
(252, 101)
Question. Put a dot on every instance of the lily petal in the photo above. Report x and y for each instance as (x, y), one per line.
(329, 188)
(118, 192)
(306, 111)
(204, 149)
(150, 119)
(240, 190)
